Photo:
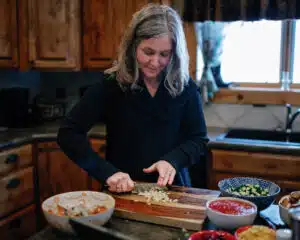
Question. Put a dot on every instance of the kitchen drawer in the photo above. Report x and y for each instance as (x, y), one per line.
(256, 163)
(15, 158)
(16, 190)
(20, 225)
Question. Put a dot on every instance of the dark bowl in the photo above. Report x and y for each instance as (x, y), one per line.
(262, 202)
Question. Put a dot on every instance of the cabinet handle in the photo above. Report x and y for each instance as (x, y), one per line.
(12, 158)
(13, 183)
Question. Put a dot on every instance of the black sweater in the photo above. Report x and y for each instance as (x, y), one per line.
(141, 130)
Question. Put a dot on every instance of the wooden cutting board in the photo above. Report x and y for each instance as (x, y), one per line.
(188, 212)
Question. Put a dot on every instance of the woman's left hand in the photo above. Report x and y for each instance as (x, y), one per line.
(166, 172)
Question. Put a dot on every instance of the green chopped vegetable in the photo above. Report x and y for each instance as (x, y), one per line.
(249, 190)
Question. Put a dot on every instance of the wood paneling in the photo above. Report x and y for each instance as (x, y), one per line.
(54, 34)
(8, 34)
(191, 41)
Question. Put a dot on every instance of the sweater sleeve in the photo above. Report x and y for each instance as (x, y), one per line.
(72, 135)
(194, 134)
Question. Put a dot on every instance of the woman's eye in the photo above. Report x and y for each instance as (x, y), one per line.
(148, 52)
(165, 54)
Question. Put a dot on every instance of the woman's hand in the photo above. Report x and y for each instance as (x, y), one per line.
(120, 182)
(166, 172)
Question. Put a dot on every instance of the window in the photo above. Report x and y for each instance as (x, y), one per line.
(296, 64)
(252, 51)
(257, 55)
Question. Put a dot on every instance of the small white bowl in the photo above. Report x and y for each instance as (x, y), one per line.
(284, 211)
(230, 221)
(62, 222)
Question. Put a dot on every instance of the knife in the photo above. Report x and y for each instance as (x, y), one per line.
(142, 187)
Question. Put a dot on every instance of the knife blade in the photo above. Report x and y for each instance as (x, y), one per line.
(143, 187)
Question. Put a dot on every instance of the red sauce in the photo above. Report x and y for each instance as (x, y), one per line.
(233, 207)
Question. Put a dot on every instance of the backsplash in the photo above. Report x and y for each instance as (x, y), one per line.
(29, 80)
(74, 84)
(71, 85)
(248, 116)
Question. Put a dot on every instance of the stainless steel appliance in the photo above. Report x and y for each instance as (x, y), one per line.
(49, 110)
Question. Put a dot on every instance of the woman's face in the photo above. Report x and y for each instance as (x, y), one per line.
(153, 55)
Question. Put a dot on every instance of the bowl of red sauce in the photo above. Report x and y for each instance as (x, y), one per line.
(211, 235)
(231, 213)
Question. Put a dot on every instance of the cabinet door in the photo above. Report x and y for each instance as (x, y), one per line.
(8, 34)
(58, 174)
(15, 159)
(16, 191)
(20, 225)
(104, 25)
(54, 34)
(99, 33)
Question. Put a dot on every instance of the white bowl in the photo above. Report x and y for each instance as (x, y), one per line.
(284, 211)
(72, 198)
(230, 221)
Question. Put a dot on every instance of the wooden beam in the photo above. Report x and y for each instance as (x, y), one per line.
(248, 95)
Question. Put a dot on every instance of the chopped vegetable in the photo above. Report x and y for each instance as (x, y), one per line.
(249, 190)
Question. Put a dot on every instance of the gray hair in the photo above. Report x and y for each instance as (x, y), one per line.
(153, 20)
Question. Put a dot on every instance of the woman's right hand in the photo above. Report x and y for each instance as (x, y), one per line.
(120, 182)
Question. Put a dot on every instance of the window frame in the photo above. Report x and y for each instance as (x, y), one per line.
(267, 93)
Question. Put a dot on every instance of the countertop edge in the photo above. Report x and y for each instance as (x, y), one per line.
(34, 138)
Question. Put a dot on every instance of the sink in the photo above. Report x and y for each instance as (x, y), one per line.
(277, 137)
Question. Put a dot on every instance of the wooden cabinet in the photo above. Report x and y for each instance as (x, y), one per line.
(16, 179)
(17, 191)
(54, 34)
(19, 226)
(99, 33)
(281, 169)
(17, 209)
(45, 34)
(8, 34)
(104, 23)
(57, 173)
(15, 159)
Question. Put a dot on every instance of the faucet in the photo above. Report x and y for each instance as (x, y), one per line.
(290, 118)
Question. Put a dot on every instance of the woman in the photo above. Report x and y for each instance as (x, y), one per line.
(150, 105)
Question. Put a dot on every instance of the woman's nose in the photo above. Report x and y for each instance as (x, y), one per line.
(155, 61)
